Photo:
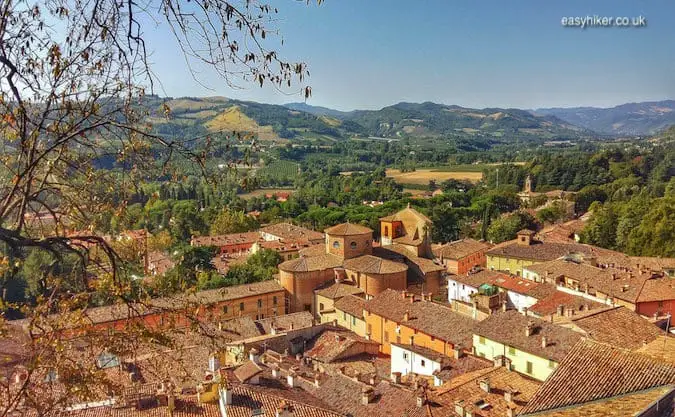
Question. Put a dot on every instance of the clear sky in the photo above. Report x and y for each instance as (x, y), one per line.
(367, 54)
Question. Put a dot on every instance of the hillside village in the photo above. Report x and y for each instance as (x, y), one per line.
(401, 326)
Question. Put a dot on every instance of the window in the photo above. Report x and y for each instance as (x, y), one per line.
(336, 244)
(405, 355)
(528, 367)
(551, 364)
(481, 354)
(370, 329)
(423, 363)
(241, 306)
(320, 306)
(398, 339)
(386, 336)
(225, 309)
(308, 307)
(274, 300)
(344, 316)
(386, 231)
(353, 321)
(660, 304)
(259, 302)
(512, 350)
(352, 245)
(481, 340)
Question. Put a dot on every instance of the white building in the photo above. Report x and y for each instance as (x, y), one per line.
(407, 359)
(461, 287)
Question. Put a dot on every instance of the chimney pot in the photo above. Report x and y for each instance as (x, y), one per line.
(406, 316)
(529, 328)
(484, 385)
(508, 396)
(420, 400)
(396, 377)
(544, 341)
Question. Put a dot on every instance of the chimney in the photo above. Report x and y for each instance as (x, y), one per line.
(459, 407)
(412, 340)
(298, 356)
(317, 383)
(420, 399)
(366, 395)
(220, 326)
(504, 305)
(529, 328)
(544, 342)
(406, 316)
(253, 355)
(335, 322)
(457, 351)
(356, 376)
(290, 379)
(412, 298)
(510, 412)
(275, 371)
(371, 380)
(508, 395)
(284, 410)
(367, 336)
(396, 377)
(484, 385)
(404, 293)
(226, 392)
(273, 330)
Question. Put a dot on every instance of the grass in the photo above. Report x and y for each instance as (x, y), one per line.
(423, 176)
(233, 119)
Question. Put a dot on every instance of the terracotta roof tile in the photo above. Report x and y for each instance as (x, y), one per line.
(351, 304)
(593, 371)
(509, 328)
(406, 214)
(662, 348)
(246, 399)
(333, 345)
(311, 263)
(337, 290)
(549, 305)
(369, 264)
(291, 232)
(617, 326)
(247, 370)
(425, 316)
(460, 249)
(348, 229)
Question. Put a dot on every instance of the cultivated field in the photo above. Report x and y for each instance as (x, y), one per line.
(422, 176)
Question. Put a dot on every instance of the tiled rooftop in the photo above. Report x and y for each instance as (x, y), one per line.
(425, 316)
(311, 263)
(662, 348)
(348, 229)
(222, 240)
(617, 326)
(460, 248)
(336, 344)
(593, 371)
(509, 328)
(369, 264)
(336, 290)
(351, 304)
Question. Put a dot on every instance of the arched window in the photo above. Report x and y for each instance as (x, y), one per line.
(386, 231)
(336, 244)
(352, 245)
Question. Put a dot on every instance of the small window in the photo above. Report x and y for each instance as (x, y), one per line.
(336, 244)
(512, 350)
(405, 355)
(241, 306)
(344, 316)
(274, 300)
(259, 302)
(481, 340)
(528, 367)
(352, 245)
(386, 336)
(551, 364)
(225, 309)
(353, 321)
(320, 306)
(423, 363)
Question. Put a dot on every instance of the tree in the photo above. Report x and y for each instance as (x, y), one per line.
(506, 228)
(77, 86)
(228, 221)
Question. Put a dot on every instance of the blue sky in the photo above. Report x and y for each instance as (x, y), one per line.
(366, 54)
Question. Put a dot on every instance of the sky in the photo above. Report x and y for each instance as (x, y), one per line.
(367, 54)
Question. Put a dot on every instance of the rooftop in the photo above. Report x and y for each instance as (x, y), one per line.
(291, 232)
(230, 239)
(336, 290)
(425, 316)
(509, 328)
(548, 251)
(549, 305)
(246, 399)
(406, 214)
(348, 229)
(460, 248)
(599, 371)
(311, 263)
(617, 326)
(333, 345)
(369, 264)
(661, 348)
(351, 304)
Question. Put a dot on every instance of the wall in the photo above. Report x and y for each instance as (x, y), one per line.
(385, 331)
(406, 362)
(373, 284)
(363, 245)
(459, 291)
(301, 285)
(464, 265)
(512, 265)
(328, 307)
(489, 349)
(388, 231)
(648, 309)
(519, 301)
(353, 323)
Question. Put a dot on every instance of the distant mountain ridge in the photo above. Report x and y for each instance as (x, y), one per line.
(645, 118)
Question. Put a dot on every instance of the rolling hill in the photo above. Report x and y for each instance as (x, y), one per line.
(400, 121)
(646, 118)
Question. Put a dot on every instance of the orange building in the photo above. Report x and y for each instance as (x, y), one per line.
(403, 318)
(408, 228)
(460, 256)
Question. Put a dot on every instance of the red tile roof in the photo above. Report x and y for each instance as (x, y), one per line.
(593, 371)
(617, 326)
(348, 229)
(369, 264)
(460, 249)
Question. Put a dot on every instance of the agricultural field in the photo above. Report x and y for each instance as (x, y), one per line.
(233, 119)
(423, 176)
(265, 191)
(279, 169)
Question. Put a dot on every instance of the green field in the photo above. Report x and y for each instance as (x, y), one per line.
(280, 169)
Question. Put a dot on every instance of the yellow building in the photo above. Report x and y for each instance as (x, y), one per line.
(408, 228)
(349, 314)
(326, 296)
(528, 345)
(403, 318)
